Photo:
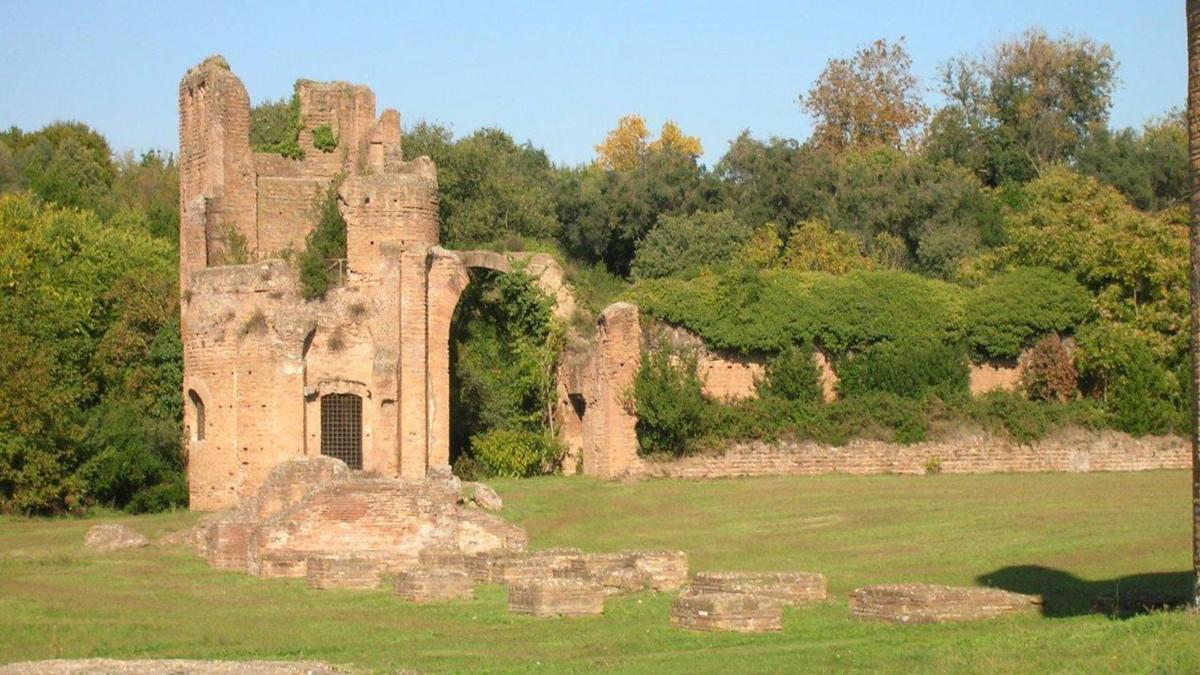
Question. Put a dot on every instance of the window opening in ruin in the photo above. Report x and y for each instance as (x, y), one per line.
(341, 428)
(197, 415)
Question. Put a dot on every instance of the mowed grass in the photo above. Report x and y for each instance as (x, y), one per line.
(1071, 537)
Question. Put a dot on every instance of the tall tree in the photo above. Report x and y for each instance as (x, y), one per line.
(1193, 36)
(1029, 102)
(872, 98)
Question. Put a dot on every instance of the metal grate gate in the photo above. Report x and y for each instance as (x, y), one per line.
(341, 428)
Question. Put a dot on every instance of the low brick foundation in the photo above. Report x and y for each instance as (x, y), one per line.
(334, 571)
(727, 612)
(789, 588)
(556, 597)
(442, 558)
(1069, 450)
(307, 508)
(930, 603)
(665, 570)
(281, 564)
(631, 571)
(434, 585)
(507, 568)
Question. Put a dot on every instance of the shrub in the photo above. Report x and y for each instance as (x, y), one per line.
(1048, 373)
(793, 375)
(765, 311)
(326, 243)
(1140, 392)
(1010, 310)
(671, 409)
(1026, 421)
(884, 415)
(910, 369)
(275, 127)
(679, 243)
(323, 139)
(516, 454)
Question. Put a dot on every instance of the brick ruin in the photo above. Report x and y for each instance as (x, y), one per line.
(363, 374)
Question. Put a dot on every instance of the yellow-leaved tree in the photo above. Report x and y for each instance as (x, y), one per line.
(629, 143)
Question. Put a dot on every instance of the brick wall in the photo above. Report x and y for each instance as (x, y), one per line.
(1070, 450)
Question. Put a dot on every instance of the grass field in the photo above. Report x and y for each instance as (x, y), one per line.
(1070, 537)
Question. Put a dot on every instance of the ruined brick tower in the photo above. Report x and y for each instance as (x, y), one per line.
(362, 375)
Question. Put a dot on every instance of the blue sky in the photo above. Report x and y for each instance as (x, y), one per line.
(557, 73)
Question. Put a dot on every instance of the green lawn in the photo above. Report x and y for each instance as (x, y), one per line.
(1070, 537)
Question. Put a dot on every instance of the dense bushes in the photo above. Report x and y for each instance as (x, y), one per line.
(514, 453)
(680, 243)
(275, 127)
(792, 374)
(906, 368)
(504, 351)
(672, 412)
(765, 311)
(91, 365)
(1013, 308)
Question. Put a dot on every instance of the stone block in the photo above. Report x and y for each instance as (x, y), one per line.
(283, 564)
(107, 538)
(509, 567)
(336, 571)
(737, 612)
(931, 603)
(556, 597)
(789, 588)
(434, 585)
(442, 558)
(229, 545)
(665, 570)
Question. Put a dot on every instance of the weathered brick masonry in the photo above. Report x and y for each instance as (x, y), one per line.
(364, 373)
(1070, 450)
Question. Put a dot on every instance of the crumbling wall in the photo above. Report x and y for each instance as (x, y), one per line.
(217, 189)
(609, 423)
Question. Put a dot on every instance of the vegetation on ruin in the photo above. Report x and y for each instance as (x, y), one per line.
(1021, 216)
(504, 347)
(1072, 537)
(320, 263)
(275, 127)
(323, 139)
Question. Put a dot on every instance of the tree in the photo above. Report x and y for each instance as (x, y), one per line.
(1132, 262)
(1029, 102)
(627, 145)
(872, 98)
(1193, 35)
(604, 214)
(938, 212)
(1149, 166)
(680, 243)
(489, 186)
(777, 180)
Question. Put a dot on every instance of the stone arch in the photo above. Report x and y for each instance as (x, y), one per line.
(448, 278)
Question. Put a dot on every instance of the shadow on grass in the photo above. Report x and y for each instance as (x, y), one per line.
(1067, 595)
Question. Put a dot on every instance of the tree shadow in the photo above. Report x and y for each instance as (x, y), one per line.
(1067, 595)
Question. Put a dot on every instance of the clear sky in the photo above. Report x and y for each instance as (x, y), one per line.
(558, 74)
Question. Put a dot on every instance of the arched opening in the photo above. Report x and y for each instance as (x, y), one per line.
(503, 352)
(341, 428)
(197, 415)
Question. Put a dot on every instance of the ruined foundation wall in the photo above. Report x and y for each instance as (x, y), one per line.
(1071, 450)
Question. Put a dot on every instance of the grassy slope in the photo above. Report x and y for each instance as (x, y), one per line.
(1069, 536)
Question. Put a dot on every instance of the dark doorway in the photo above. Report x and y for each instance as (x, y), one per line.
(341, 428)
